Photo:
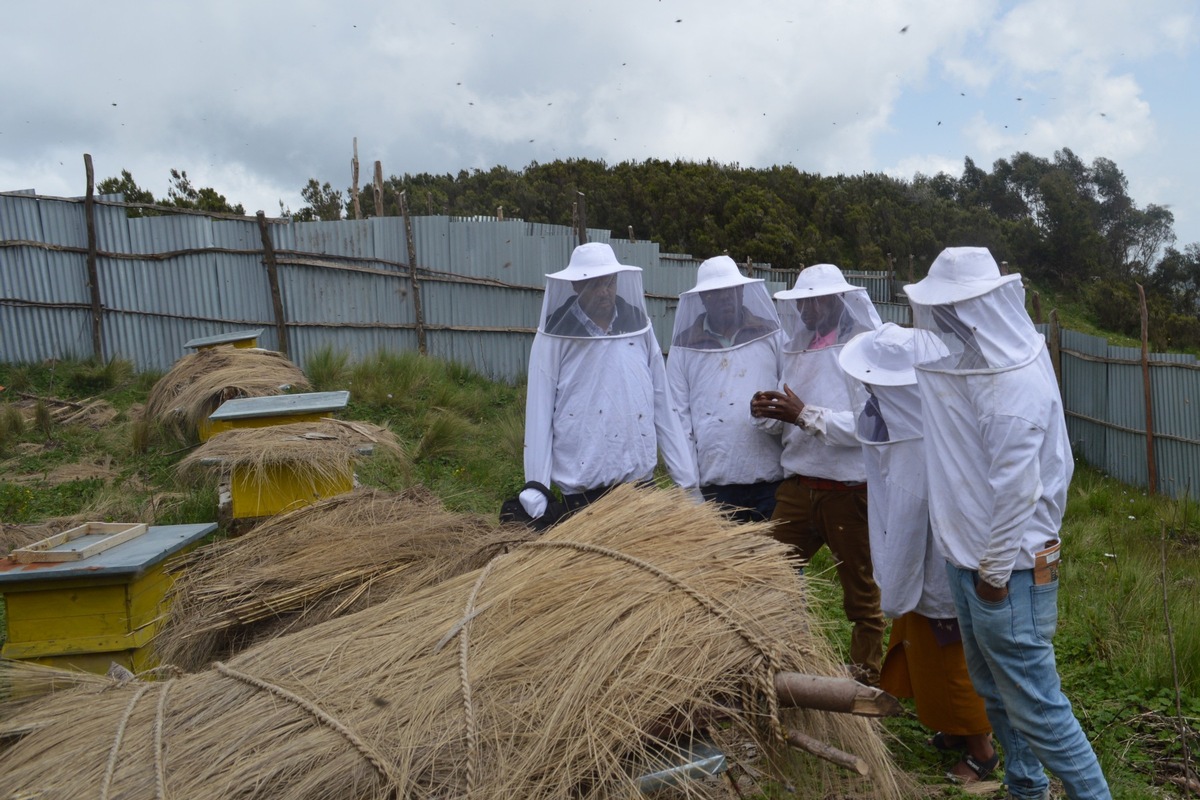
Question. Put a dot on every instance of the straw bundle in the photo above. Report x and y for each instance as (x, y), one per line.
(200, 382)
(324, 449)
(536, 676)
(328, 559)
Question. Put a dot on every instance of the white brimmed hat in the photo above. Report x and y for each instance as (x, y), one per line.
(719, 272)
(958, 273)
(816, 281)
(591, 260)
(883, 357)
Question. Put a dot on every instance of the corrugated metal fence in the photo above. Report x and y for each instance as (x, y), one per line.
(346, 285)
(1105, 400)
(167, 279)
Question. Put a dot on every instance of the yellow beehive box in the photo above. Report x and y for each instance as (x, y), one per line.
(242, 340)
(89, 612)
(275, 488)
(263, 412)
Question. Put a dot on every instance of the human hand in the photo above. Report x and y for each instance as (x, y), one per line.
(785, 405)
(990, 594)
(533, 501)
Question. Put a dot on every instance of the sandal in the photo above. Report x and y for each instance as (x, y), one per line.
(939, 743)
(982, 769)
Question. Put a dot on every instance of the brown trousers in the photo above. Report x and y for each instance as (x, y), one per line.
(807, 518)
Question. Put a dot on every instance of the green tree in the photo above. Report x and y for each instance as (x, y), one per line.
(324, 203)
(182, 194)
(127, 186)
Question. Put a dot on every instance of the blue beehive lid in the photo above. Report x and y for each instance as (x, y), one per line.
(281, 405)
(223, 338)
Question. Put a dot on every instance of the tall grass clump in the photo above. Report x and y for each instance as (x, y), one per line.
(445, 431)
(327, 369)
(390, 380)
(12, 426)
(93, 376)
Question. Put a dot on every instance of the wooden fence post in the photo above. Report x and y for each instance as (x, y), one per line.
(378, 188)
(891, 295)
(1148, 391)
(1054, 341)
(1037, 307)
(273, 280)
(89, 214)
(581, 218)
(354, 181)
(410, 243)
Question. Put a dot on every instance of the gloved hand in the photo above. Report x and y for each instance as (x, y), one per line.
(695, 494)
(533, 501)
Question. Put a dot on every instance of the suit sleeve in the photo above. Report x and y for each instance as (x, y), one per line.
(673, 444)
(1014, 445)
(540, 394)
(677, 380)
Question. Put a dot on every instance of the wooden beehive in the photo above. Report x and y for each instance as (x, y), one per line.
(86, 613)
(279, 487)
(239, 339)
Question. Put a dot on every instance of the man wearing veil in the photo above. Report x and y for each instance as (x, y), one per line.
(725, 346)
(999, 466)
(598, 409)
(823, 498)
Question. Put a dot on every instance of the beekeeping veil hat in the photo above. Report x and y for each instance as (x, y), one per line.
(724, 309)
(596, 295)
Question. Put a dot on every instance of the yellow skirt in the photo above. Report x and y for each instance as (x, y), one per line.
(934, 676)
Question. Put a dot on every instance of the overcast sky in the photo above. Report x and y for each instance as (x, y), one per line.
(254, 98)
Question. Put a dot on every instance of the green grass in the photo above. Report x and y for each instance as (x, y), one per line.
(464, 436)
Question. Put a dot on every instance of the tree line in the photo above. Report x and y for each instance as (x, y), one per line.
(1069, 226)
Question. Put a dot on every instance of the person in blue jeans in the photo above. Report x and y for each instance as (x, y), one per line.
(999, 464)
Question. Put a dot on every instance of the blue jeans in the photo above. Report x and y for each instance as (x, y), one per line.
(747, 502)
(1010, 656)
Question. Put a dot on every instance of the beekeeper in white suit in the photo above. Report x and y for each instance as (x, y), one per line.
(724, 347)
(924, 657)
(598, 410)
(999, 465)
(823, 497)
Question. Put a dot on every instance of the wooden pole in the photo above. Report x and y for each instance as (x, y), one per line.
(1003, 267)
(354, 181)
(1037, 308)
(378, 185)
(891, 295)
(632, 238)
(273, 281)
(410, 243)
(1148, 391)
(581, 205)
(1054, 341)
(89, 214)
(843, 695)
(910, 267)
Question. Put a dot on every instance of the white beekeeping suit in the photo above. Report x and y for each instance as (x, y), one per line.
(819, 315)
(724, 347)
(909, 565)
(985, 362)
(598, 408)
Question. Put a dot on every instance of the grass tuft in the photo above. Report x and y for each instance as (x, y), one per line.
(327, 369)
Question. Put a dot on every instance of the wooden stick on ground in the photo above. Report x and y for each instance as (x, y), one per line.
(828, 752)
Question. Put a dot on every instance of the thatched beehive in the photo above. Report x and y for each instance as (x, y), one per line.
(329, 559)
(200, 382)
(538, 676)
